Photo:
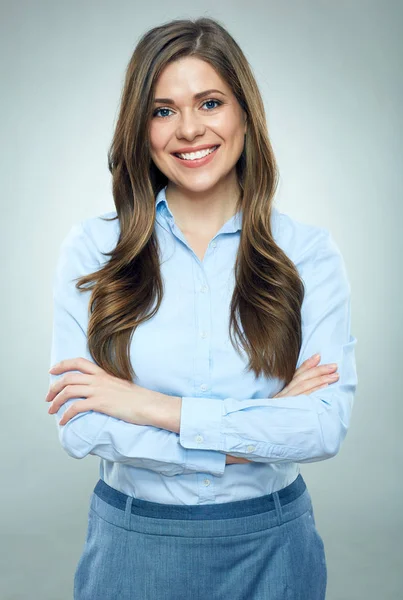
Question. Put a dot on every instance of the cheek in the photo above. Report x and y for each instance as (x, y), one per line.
(157, 139)
(232, 131)
(237, 141)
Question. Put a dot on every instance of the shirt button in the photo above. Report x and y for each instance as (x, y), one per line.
(250, 448)
(199, 438)
(203, 288)
(206, 481)
(214, 244)
(203, 387)
(203, 334)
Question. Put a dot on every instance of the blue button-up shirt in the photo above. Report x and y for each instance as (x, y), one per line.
(185, 350)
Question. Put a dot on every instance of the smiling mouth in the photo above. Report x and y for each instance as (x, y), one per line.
(195, 158)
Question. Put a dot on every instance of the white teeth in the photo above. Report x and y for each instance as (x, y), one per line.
(199, 154)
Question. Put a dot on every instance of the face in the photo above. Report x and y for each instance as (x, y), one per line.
(182, 123)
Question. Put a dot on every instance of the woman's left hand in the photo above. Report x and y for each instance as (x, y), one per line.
(103, 392)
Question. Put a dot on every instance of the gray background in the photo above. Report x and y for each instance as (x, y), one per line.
(330, 74)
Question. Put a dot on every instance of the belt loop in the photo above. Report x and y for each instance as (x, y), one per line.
(279, 511)
(128, 511)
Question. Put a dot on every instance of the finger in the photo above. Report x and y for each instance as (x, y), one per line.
(67, 379)
(76, 364)
(319, 382)
(301, 386)
(79, 407)
(312, 363)
(308, 363)
(307, 392)
(70, 391)
(313, 373)
(318, 387)
(304, 386)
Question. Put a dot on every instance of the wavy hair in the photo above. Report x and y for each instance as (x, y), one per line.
(265, 310)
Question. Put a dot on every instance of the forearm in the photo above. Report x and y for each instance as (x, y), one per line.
(163, 411)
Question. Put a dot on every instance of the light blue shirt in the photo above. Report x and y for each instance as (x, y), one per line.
(184, 350)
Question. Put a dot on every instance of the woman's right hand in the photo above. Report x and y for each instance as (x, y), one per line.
(307, 378)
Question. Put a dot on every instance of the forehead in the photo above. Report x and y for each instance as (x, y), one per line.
(187, 76)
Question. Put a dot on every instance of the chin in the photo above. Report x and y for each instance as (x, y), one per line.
(200, 186)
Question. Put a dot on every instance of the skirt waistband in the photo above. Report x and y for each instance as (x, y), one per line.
(224, 510)
(206, 520)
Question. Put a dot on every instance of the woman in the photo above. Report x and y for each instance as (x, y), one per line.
(220, 303)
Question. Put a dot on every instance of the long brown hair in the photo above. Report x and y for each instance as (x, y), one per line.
(127, 290)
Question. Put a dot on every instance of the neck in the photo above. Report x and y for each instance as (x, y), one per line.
(203, 212)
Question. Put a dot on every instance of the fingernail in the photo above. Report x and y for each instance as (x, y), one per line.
(315, 356)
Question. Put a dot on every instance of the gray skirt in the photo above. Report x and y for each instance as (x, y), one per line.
(265, 548)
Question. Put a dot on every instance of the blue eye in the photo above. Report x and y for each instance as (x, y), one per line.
(211, 100)
(216, 101)
(158, 110)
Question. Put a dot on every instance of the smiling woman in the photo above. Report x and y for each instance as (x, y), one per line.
(184, 327)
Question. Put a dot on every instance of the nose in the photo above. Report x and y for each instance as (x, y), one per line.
(189, 126)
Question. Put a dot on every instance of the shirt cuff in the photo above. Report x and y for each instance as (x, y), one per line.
(201, 422)
(205, 461)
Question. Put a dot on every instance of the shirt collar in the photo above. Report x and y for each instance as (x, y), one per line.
(164, 214)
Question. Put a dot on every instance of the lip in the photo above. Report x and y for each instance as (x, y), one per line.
(198, 162)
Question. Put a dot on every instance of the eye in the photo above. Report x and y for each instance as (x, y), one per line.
(210, 100)
(158, 110)
(213, 100)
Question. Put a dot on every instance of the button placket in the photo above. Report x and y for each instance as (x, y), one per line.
(206, 484)
(202, 323)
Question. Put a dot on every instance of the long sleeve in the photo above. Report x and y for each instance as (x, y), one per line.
(93, 432)
(301, 428)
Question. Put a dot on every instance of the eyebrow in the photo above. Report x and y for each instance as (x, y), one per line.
(196, 96)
